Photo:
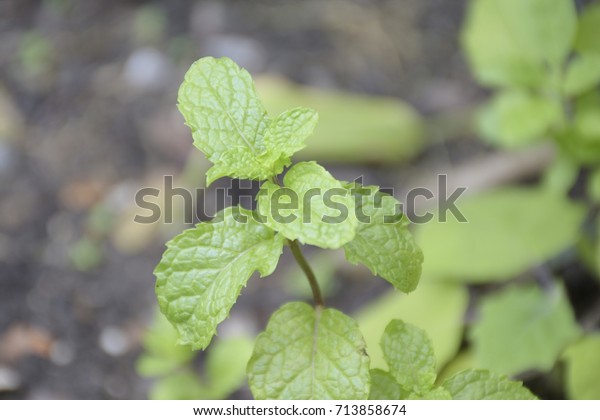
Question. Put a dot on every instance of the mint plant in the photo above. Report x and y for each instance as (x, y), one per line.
(306, 352)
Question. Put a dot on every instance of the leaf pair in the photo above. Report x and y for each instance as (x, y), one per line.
(231, 127)
(412, 374)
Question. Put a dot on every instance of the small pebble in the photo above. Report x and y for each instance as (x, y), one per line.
(9, 379)
(113, 341)
(146, 69)
(61, 353)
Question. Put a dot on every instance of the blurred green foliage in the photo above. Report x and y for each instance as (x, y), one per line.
(352, 127)
(523, 328)
(546, 64)
(412, 374)
(437, 308)
(509, 230)
(583, 365)
(224, 367)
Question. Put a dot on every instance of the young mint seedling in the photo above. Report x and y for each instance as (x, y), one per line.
(204, 269)
(306, 352)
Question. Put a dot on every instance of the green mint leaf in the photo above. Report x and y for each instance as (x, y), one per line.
(204, 269)
(475, 384)
(496, 57)
(523, 328)
(588, 30)
(285, 136)
(220, 104)
(409, 355)
(318, 210)
(385, 387)
(515, 118)
(308, 353)
(399, 261)
(583, 74)
(583, 365)
(438, 393)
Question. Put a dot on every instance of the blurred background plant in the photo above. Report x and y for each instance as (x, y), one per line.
(405, 90)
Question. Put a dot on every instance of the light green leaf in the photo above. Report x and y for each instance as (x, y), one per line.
(523, 328)
(179, 386)
(236, 162)
(514, 118)
(308, 353)
(220, 104)
(475, 384)
(352, 127)
(204, 269)
(581, 139)
(313, 207)
(509, 42)
(593, 186)
(587, 123)
(383, 242)
(385, 387)
(161, 353)
(286, 135)
(409, 355)
(230, 125)
(150, 365)
(463, 361)
(588, 30)
(544, 29)
(225, 365)
(508, 231)
(497, 57)
(437, 308)
(583, 74)
(438, 393)
(561, 175)
(583, 365)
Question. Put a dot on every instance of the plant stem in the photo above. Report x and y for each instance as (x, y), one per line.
(312, 280)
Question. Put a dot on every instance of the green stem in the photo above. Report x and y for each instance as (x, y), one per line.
(312, 280)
